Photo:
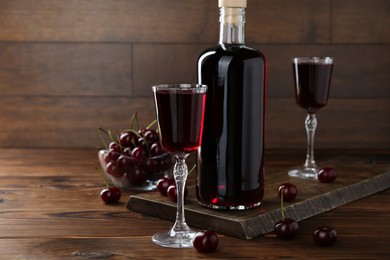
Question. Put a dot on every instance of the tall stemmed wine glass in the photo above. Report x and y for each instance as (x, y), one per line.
(180, 114)
(312, 76)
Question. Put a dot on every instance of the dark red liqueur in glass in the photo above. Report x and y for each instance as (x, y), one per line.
(230, 172)
(312, 84)
(180, 120)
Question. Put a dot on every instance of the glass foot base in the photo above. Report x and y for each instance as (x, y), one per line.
(304, 173)
(175, 239)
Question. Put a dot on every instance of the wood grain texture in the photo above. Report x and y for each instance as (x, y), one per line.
(34, 69)
(288, 22)
(158, 21)
(68, 66)
(50, 209)
(355, 181)
(67, 121)
(272, 22)
(361, 21)
(106, 21)
(82, 69)
(351, 78)
(342, 123)
(73, 121)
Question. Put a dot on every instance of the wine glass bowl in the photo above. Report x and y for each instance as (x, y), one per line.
(180, 115)
(312, 77)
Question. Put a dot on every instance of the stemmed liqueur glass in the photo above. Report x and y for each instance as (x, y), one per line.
(180, 114)
(312, 76)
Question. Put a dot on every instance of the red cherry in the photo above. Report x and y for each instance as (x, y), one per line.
(290, 191)
(136, 176)
(166, 163)
(325, 236)
(156, 149)
(286, 229)
(127, 139)
(124, 162)
(113, 146)
(151, 165)
(142, 131)
(141, 142)
(106, 157)
(112, 155)
(139, 152)
(163, 184)
(206, 241)
(151, 136)
(172, 192)
(327, 174)
(110, 195)
(113, 170)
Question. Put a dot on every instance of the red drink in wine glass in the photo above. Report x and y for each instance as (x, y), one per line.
(312, 77)
(180, 119)
(180, 114)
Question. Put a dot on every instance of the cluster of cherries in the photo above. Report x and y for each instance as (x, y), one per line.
(286, 228)
(133, 158)
(137, 156)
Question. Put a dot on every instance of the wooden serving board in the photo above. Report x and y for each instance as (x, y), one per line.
(357, 178)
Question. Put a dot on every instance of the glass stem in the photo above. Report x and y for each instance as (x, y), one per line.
(180, 172)
(311, 125)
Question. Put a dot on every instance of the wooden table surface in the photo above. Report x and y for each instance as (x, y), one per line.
(50, 209)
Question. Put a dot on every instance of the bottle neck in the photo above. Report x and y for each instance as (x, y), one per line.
(231, 30)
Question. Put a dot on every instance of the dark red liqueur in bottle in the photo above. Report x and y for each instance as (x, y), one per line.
(230, 167)
(231, 158)
(312, 84)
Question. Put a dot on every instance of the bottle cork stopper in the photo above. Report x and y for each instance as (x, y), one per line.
(232, 3)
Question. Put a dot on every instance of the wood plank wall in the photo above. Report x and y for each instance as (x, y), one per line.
(69, 66)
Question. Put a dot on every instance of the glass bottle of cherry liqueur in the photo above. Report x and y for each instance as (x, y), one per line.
(230, 164)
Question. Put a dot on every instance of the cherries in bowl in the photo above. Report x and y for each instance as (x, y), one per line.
(134, 159)
(131, 173)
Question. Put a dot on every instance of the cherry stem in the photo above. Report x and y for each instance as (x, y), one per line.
(192, 169)
(281, 203)
(108, 132)
(137, 134)
(101, 176)
(151, 124)
(100, 130)
(134, 118)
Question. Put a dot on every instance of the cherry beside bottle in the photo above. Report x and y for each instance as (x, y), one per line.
(163, 184)
(134, 157)
(286, 228)
(325, 236)
(289, 190)
(172, 192)
(206, 241)
(110, 194)
(327, 174)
